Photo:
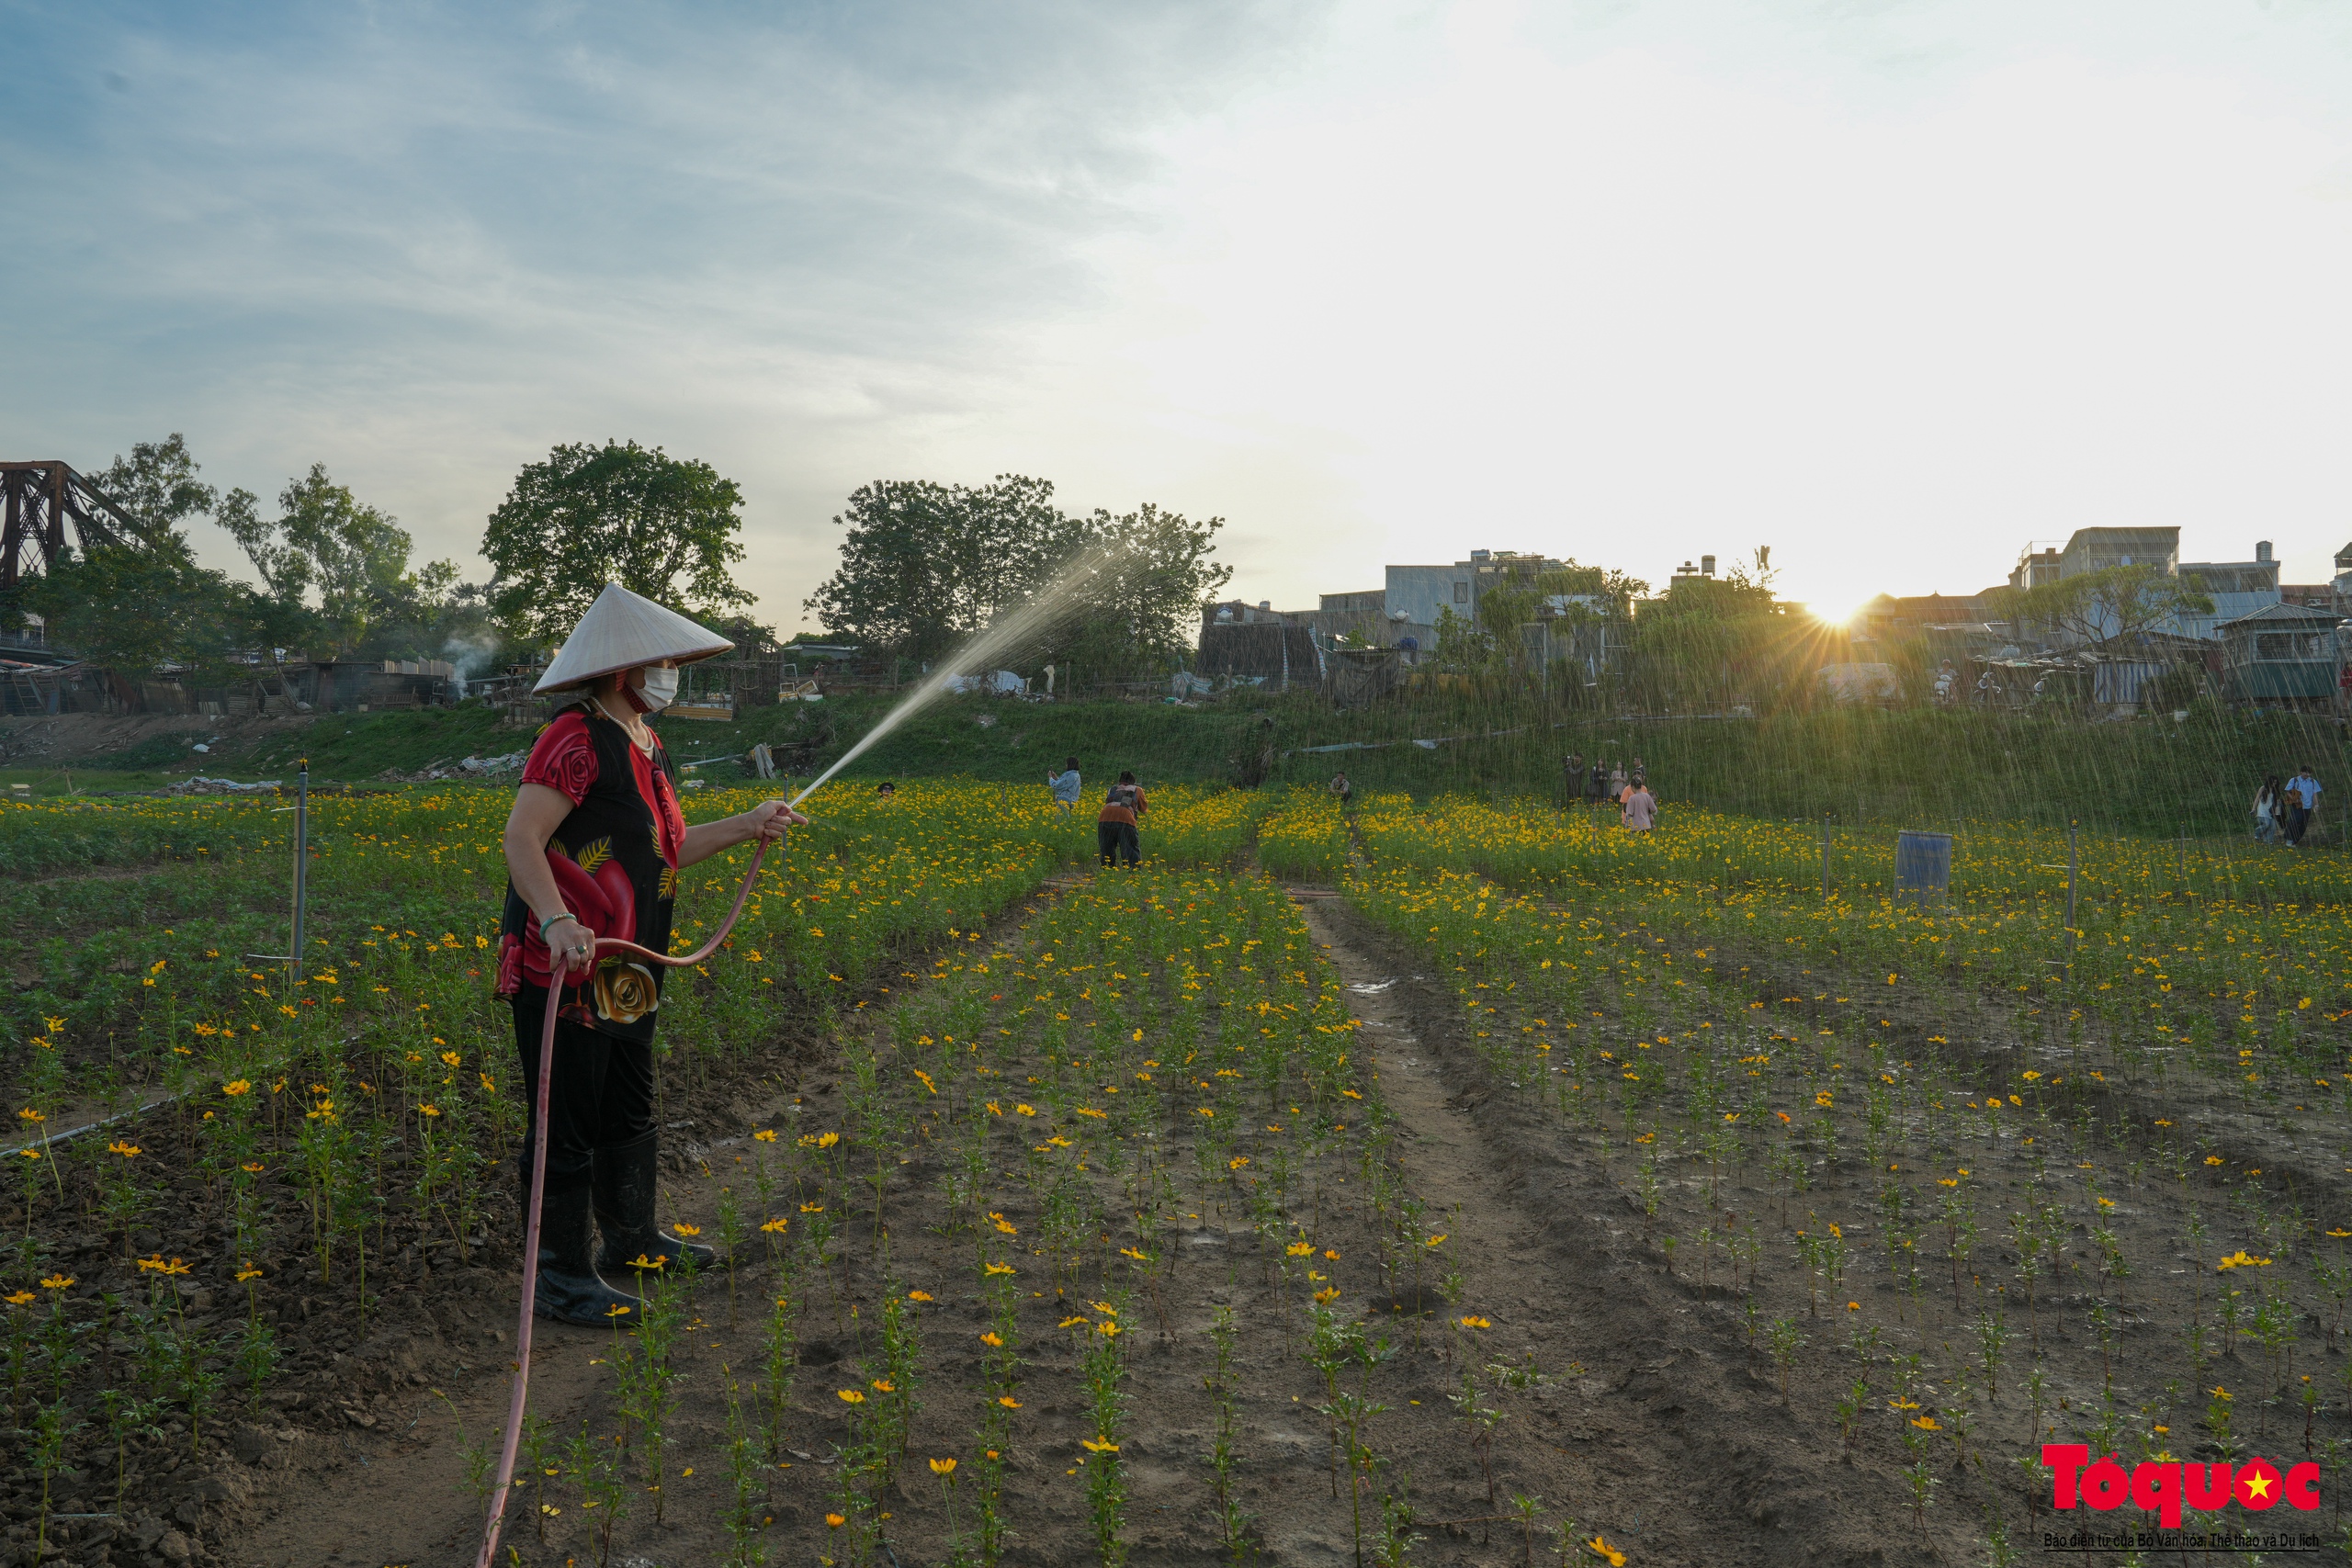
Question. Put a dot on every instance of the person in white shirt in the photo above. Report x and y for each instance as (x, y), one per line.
(2302, 802)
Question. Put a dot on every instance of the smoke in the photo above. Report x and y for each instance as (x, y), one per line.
(471, 654)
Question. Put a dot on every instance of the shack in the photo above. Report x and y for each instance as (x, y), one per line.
(2282, 652)
(1259, 653)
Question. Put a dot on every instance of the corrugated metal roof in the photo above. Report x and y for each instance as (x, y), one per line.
(2297, 614)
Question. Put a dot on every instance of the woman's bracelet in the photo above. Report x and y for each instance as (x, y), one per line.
(566, 915)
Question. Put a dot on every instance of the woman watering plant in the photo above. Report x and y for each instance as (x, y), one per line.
(593, 847)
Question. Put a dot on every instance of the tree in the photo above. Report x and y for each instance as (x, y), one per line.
(135, 609)
(146, 602)
(1144, 576)
(926, 565)
(662, 526)
(2114, 603)
(1707, 642)
(352, 557)
(157, 484)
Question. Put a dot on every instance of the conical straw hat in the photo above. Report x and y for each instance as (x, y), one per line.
(623, 630)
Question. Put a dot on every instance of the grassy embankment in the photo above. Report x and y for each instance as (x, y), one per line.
(1913, 768)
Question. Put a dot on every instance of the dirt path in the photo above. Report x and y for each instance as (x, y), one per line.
(1656, 1433)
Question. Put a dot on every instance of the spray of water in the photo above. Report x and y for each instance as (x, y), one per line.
(1013, 629)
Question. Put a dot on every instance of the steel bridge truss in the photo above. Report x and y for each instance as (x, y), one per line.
(41, 499)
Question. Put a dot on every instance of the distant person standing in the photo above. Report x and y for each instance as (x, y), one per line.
(1599, 790)
(1114, 829)
(2268, 806)
(1065, 786)
(1640, 809)
(1947, 680)
(2302, 804)
(1617, 783)
(1572, 773)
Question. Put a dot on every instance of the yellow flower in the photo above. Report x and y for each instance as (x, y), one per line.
(1475, 1322)
(775, 1225)
(918, 1295)
(128, 1151)
(1598, 1546)
(684, 1229)
(1008, 1402)
(56, 1282)
(850, 1395)
(943, 1467)
(1099, 1445)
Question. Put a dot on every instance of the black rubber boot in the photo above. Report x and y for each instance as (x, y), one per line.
(625, 1189)
(570, 1288)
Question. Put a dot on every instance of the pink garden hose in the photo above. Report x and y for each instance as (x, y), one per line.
(516, 1400)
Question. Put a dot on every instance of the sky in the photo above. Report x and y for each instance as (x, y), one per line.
(1893, 286)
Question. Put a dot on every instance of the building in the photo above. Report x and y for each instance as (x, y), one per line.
(1360, 616)
(2095, 549)
(1415, 597)
(1888, 619)
(2282, 653)
(2034, 568)
(2238, 589)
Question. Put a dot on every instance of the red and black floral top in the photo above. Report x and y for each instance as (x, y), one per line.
(565, 759)
(615, 858)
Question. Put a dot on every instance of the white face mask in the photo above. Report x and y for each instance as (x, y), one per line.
(658, 687)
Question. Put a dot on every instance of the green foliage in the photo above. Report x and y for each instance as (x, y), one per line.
(1709, 643)
(354, 559)
(926, 565)
(662, 526)
(133, 609)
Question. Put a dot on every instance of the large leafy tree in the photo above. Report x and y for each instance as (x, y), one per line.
(136, 609)
(1142, 577)
(1708, 642)
(666, 527)
(344, 563)
(926, 565)
(157, 484)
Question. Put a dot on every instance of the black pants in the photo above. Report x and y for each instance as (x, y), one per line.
(1118, 842)
(601, 1099)
(2298, 819)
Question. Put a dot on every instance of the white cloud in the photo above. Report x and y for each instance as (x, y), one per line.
(1893, 288)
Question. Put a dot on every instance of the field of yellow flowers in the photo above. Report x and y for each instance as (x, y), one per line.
(1507, 1184)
